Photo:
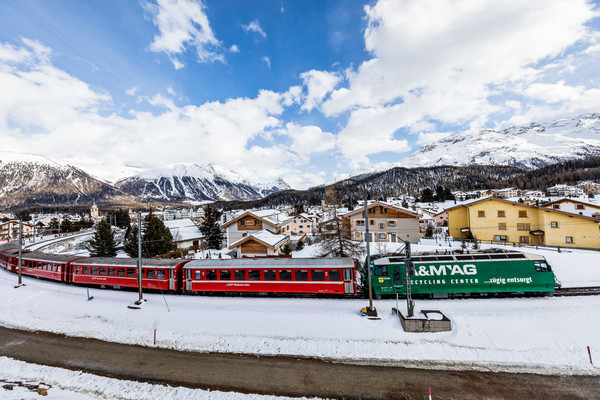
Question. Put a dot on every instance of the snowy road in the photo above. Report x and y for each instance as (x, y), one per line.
(290, 376)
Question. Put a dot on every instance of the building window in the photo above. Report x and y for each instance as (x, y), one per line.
(579, 207)
(502, 226)
(523, 227)
(392, 224)
(501, 214)
(360, 222)
(481, 214)
(382, 236)
(501, 238)
(256, 222)
(522, 213)
(371, 222)
(554, 224)
(524, 239)
(356, 234)
(569, 239)
(556, 206)
(381, 226)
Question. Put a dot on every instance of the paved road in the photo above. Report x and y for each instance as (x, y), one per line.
(284, 375)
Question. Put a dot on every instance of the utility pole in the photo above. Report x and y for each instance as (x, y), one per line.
(371, 311)
(20, 282)
(409, 268)
(141, 299)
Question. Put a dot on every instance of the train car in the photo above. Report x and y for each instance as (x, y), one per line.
(496, 271)
(43, 265)
(9, 253)
(272, 275)
(163, 274)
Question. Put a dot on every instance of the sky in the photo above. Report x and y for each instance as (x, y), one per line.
(308, 91)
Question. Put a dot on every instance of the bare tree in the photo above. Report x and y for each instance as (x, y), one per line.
(335, 239)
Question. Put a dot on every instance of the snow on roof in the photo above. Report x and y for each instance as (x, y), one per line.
(265, 236)
(183, 229)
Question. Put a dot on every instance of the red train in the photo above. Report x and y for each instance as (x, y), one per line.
(246, 275)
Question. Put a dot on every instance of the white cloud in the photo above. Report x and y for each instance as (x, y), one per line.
(267, 61)
(431, 137)
(254, 26)
(132, 91)
(308, 140)
(234, 48)
(451, 62)
(318, 85)
(183, 23)
(170, 90)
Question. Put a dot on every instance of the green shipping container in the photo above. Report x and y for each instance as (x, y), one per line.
(473, 272)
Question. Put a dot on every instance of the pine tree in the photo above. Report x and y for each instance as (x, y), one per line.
(211, 228)
(157, 238)
(299, 245)
(286, 249)
(429, 231)
(103, 244)
(130, 244)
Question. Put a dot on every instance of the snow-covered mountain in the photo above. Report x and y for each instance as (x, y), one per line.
(531, 146)
(29, 179)
(195, 182)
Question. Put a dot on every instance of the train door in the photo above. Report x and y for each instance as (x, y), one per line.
(188, 279)
(348, 281)
(171, 279)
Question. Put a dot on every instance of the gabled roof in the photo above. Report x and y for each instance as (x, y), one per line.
(383, 204)
(546, 209)
(266, 237)
(569, 200)
(270, 217)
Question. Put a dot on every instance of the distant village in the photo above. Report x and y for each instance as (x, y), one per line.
(562, 216)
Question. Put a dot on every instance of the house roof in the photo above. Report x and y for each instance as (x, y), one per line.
(266, 237)
(569, 200)
(271, 217)
(384, 204)
(465, 204)
(183, 229)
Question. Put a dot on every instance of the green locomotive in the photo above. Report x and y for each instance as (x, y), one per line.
(462, 272)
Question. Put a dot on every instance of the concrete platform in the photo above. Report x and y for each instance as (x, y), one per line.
(426, 324)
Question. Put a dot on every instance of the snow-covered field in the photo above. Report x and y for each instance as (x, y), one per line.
(543, 335)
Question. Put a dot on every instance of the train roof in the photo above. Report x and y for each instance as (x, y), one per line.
(56, 258)
(9, 246)
(266, 263)
(460, 256)
(129, 262)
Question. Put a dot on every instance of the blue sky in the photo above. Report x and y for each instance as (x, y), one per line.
(309, 91)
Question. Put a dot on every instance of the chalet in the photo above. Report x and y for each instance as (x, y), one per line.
(259, 244)
(10, 229)
(589, 187)
(185, 233)
(250, 222)
(564, 191)
(508, 193)
(300, 225)
(498, 220)
(387, 223)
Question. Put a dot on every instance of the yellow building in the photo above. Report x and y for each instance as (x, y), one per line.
(493, 219)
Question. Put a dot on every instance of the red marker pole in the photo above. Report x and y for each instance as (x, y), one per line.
(429, 392)
(155, 336)
(590, 354)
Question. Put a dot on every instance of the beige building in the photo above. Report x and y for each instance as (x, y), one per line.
(387, 223)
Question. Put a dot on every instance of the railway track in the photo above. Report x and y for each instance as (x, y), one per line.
(581, 291)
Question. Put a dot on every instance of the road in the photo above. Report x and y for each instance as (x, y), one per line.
(289, 376)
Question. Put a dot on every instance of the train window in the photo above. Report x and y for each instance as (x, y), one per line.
(131, 272)
(120, 271)
(150, 274)
(334, 275)
(77, 270)
(481, 257)
(254, 275)
(515, 255)
(239, 275)
(464, 257)
(86, 270)
(270, 275)
(102, 270)
(445, 258)
(111, 271)
(225, 275)
(301, 275)
(211, 275)
(398, 273)
(285, 275)
(317, 275)
(541, 266)
(160, 274)
(198, 275)
(380, 271)
(94, 270)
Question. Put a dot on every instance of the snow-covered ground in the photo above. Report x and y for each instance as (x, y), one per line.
(22, 381)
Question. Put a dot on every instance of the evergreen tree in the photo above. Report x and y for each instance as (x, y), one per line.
(157, 238)
(103, 244)
(440, 193)
(299, 245)
(286, 249)
(298, 209)
(211, 228)
(120, 218)
(130, 244)
(429, 231)
(427, 195)
(54, 225)
(66, 226)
